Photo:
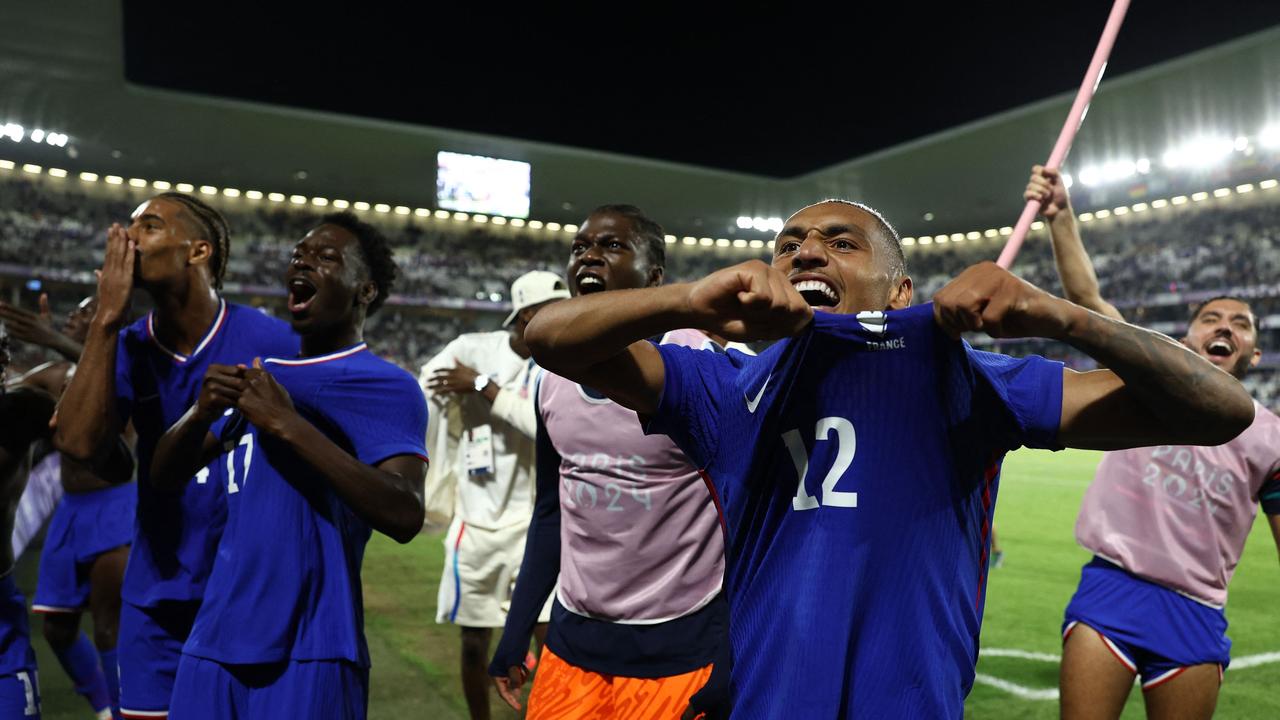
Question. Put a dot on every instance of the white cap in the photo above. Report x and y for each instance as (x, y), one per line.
(535, 288)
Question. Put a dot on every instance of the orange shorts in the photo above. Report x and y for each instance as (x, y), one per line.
(564, 692)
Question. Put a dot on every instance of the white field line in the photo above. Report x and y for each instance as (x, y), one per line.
(1021, 691)
(1023, 654)
(1027, 693)
(1249, 661)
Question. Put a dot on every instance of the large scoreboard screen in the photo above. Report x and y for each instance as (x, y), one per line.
(477, 184)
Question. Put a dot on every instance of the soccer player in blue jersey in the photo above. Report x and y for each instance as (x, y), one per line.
(175, 249)
(856, 461)
(320, 449)
(24, 416)
(25, 410)
(83, 559)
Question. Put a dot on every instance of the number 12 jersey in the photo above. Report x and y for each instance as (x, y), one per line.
(856, 468)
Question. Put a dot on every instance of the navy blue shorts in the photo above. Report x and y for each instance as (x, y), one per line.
(334, 689)
(149, 647)
(1152, 630)
(84, 526)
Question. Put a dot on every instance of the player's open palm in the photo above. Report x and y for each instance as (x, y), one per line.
(749, 301)
(264, 401)
(990, 299)
(115, 279)
(220, 390)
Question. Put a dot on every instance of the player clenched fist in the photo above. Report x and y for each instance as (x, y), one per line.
(990, 299)
(264, 402)
(746, 302)
(219, 391)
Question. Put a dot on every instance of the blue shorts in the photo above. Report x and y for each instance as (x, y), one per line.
(149, 647)
(19, 690)
(334, 689)
(84, 526)
(1152, 630)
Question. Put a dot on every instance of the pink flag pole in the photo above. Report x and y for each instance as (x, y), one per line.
(1069, 129)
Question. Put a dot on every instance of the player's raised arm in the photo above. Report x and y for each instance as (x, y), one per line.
(1155, 391)
(598, 339)
(1075, 269)
(88, 423)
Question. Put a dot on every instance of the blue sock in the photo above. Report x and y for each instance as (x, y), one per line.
(112, 670)
(81, 663)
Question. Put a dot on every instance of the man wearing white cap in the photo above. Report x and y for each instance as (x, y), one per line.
(480, 389)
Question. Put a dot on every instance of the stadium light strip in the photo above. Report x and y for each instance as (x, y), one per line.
(1104, 213)
(302, 200)
(740, 243)
(16, 133)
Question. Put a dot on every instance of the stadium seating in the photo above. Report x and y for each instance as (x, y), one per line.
(456, 276)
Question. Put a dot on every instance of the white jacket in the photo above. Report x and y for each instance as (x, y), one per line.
(505, 497)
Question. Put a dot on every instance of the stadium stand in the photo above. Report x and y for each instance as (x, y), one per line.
(454, 276)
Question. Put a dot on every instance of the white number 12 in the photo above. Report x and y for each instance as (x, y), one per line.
(846, 444)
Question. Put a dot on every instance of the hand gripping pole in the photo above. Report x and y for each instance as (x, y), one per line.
(1074, 119)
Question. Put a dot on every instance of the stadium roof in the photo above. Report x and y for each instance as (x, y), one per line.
(770, 88)
(66, 73)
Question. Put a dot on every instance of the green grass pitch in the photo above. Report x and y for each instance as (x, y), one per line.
(415, 673)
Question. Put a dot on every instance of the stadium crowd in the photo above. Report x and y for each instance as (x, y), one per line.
(1155, 265)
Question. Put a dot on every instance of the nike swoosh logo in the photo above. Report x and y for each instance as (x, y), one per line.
(753, 404)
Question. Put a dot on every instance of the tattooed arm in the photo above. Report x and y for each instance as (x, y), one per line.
(1155, 392)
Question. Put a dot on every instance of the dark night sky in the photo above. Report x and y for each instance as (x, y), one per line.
(775, 88)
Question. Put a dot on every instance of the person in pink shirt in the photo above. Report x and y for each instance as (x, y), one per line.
(1166, 524)
(625, 532)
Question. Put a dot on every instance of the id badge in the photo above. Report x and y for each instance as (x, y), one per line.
(480, 450)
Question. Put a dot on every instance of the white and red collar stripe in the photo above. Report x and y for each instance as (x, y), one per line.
(208, 337)
(320, 358)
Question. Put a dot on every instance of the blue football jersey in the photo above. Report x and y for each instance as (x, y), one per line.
(856, 468)
(286, 582)
(176, 534)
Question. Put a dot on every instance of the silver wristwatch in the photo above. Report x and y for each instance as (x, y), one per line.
(482, 382)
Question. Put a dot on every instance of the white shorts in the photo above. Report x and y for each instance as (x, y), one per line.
(480, 568)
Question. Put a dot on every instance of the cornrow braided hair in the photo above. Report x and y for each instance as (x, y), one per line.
(214, 228)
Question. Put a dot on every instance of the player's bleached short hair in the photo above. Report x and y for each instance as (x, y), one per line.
(893, 243)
